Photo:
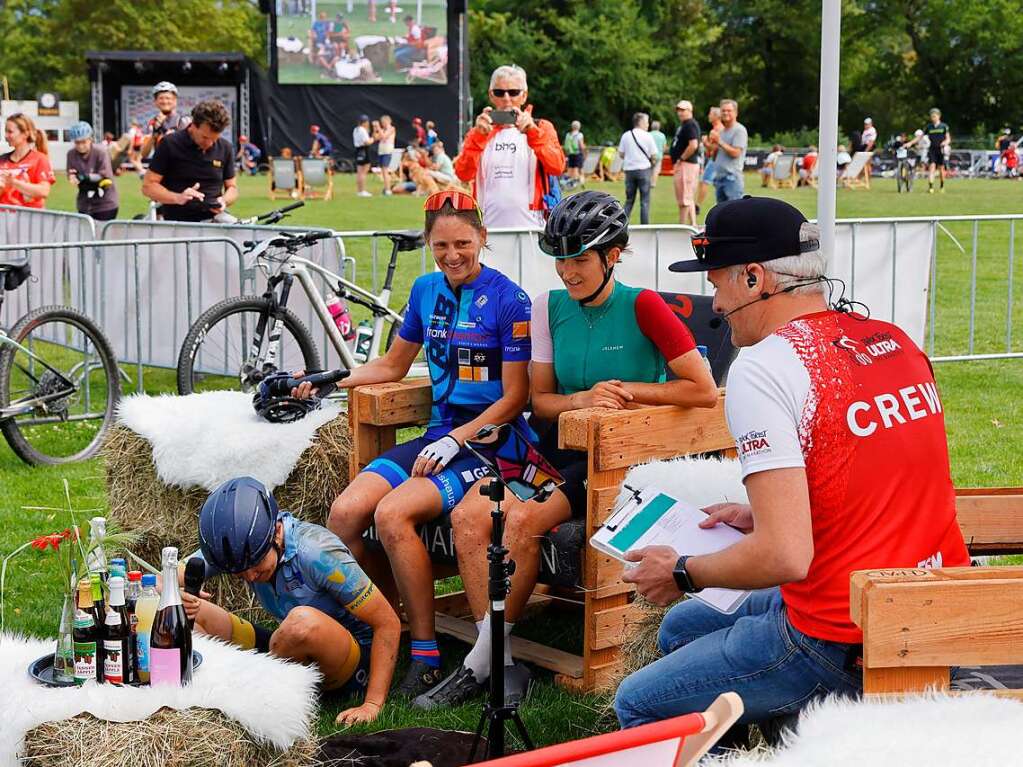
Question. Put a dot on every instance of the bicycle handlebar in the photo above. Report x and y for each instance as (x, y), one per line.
(291, 241)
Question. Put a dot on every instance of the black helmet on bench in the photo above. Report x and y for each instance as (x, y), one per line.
(237, 525)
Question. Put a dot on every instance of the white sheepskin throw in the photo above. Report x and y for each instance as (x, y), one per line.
(206, 439)
(272, 699)
(976, 730)
(699, 481)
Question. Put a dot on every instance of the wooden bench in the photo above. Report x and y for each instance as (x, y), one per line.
(613, 442)
(918, 623)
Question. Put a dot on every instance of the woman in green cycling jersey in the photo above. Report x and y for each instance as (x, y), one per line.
(597, 343)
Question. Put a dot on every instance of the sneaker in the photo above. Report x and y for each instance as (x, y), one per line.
(387, 193)
(364, 193)
(419, 678)
(459, 687)
(516, 683)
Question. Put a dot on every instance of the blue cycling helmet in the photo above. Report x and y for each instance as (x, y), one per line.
(237, 525)
(79, 131)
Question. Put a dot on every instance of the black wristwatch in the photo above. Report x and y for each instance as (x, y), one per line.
(682, 578)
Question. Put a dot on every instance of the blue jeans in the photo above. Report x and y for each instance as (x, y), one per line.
(638, 181)
(756, 652)
(728, 186)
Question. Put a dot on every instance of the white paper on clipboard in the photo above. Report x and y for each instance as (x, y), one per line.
(652, 517)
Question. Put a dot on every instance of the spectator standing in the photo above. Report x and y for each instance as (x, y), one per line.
(167, 118)
(321, 144)
(417, 127)
(135, 143)
(383, 134)
(731, 153)
(26, 175)
(362, 140)
(638, 150)
(868, 141)
(88, 168)
(191, 175)
(509, 165)
(248, 155)
(768, 167)
(710, 150)
(685, 155)
(575, 151)
(431, 134)
(660, 141)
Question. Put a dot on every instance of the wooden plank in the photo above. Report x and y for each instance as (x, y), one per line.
(394, 404)
(942, 622)
(603, 500)
(454, 604)
(878, 681)
(965, 491)
(991, 523)
(574, 426)
(613, 626)
(532, 652)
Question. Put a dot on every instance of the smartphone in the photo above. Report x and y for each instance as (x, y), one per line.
(503, 117)
(507, 453)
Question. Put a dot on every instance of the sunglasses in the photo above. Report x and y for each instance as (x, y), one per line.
(457, 200)
(701, 243)
(502, 92)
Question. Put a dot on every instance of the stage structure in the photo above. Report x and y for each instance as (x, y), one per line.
(122, 84)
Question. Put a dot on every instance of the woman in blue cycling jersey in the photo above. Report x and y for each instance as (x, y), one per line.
(473, 323)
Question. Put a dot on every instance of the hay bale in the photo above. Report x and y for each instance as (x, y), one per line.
(169, 738)
(165, 515)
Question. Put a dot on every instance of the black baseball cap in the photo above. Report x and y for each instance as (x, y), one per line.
(747, 231)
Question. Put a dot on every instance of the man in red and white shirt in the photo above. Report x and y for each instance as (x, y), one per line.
(841, 439)
(509, 163)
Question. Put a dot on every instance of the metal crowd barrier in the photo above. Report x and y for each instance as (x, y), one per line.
(18, 225)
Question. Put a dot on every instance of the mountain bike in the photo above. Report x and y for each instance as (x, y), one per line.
(239, 341)
(903, 170)
(59, 382)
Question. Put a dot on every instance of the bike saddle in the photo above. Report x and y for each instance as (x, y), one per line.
(408, 239)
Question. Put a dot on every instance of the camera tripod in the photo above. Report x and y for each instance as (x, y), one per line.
(497, 712)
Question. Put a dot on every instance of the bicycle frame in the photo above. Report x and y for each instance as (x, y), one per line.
(25, 406)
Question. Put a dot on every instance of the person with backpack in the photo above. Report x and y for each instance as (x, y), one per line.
(639, 153)
(512, 160)
(575, 151)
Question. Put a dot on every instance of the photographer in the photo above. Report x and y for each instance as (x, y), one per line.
(191, 174)
(167, 118)
(509, 168)
(88, 168)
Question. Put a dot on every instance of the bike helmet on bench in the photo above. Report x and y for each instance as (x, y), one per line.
(237, 525)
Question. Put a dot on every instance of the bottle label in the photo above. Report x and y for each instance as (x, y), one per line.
(164, 667)
(142, 649)
(85, 661)
(113, 671)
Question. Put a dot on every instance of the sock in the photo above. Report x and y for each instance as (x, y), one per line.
(426, 650)
(478, 659)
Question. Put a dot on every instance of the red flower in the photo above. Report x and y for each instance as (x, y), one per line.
(43, 541)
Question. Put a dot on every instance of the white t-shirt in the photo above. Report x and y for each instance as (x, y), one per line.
(869, 136)
(637, 153)
(506, 180)
(360, 136)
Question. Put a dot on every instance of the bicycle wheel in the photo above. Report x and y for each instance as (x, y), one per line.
(217, 352)
(58, 401)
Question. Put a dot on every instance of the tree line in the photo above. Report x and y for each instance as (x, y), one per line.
(599, 61)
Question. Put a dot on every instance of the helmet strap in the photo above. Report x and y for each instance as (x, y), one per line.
(608, 271)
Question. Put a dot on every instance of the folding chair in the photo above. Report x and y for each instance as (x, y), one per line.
(855, 175)
(590, 161)
(433, 71)
(285, 178)
(676, 742)
(784, 174)
(317, 178)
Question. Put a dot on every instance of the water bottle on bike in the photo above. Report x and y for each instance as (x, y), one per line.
(338, 309)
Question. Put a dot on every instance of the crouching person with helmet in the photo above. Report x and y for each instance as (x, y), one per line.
(331, 614)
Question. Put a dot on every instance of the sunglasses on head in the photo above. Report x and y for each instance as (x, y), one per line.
(502, 92)
(457, 200)
(701, 243)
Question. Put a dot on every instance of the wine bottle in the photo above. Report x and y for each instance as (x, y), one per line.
(170, 643)
(89, 607)
(117, 668)
(131, 597)
(84, 648)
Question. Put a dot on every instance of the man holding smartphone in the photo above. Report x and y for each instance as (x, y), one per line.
(508, 156)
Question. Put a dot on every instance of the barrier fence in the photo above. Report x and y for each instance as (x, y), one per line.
(948, 281)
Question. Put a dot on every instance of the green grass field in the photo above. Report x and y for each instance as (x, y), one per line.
(291, 70)
(981, 399)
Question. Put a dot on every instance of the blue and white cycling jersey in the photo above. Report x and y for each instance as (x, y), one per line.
(467, 334)
(316, 570)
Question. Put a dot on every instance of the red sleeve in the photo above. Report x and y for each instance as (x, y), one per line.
(662, 326)
(468, 160)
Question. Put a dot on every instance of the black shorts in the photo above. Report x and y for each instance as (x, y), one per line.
(936, 156)
(572, 466)
(362, 156)
(575, 160)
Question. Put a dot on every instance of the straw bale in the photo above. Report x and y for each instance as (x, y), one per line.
(165, 515)
(169, 738)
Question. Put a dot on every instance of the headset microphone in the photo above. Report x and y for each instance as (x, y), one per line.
(716, 322)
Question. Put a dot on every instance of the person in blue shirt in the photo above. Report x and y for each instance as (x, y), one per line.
(248, 155)
(331, 614)
(321, 144)
(472, 323)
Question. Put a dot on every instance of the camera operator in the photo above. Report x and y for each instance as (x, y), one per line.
(192, 173)
(89, 169)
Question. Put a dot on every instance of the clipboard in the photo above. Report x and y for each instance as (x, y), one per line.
(652, 517)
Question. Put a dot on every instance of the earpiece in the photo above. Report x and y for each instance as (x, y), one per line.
(751, 280)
